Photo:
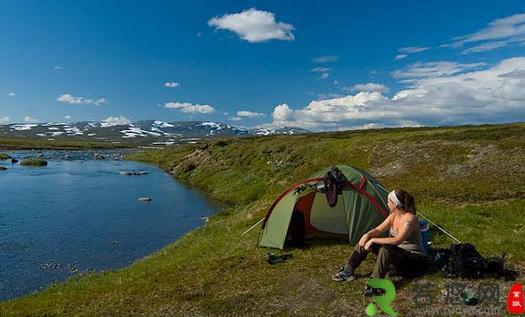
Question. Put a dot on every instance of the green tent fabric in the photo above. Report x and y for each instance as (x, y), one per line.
(360, 207)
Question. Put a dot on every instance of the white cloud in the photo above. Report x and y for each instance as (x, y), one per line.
(249, 114)
(489, 95)
(371, 87)
(67, 117)
(330, 95)
(412, 49)
(113, 121)
(433, 69)
(324, 72)
(282, 112)
(57, 67)
(4, 120)
(28, 119)
(321, 69)
(11, 94)
(74, 100)
(405, 51)
(489, 46)
(499, 33)
(236, 118)
(171, 84)
(187, 107)
(254, 26)
(325, 59)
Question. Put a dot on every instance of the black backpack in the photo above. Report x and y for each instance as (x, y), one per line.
(465, 261)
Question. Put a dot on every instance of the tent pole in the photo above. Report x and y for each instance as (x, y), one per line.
(443, 230)
(251, 228)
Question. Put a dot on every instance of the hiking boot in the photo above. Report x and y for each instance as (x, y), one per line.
(370, 291)
(343, 276)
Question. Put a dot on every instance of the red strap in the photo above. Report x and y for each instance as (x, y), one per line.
(362, 183)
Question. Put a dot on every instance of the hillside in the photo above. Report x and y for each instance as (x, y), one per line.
(470, 180)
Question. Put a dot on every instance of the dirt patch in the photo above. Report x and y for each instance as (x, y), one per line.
(301, 295)
(194, 160)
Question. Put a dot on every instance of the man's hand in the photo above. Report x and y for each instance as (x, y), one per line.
(369, 244)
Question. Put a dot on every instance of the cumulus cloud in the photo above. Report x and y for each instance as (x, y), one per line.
(67, 117)
(422, 70)
(187, 107)
(254, 26)
(171, 84)
(371, 87)
(57, 67)
(499, 33)
(489, 95)
(114, 121)
(249, 114)
(75, 100)
(11, 94)
(29, 119)
(4, 120)
(325, 59)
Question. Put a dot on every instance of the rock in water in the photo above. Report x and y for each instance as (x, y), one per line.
(133, 172)
(34, 162)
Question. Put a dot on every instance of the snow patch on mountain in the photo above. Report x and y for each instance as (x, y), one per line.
(162, 124)
(23, 127)
(133, 132)
(213, 125)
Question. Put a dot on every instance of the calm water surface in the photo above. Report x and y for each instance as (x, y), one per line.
(73, 216)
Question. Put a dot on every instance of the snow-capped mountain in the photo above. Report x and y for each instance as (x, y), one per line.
(143, 132)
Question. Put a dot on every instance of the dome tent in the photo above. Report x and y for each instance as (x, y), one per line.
(361, 205)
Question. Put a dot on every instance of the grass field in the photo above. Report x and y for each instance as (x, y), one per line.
(470, 180)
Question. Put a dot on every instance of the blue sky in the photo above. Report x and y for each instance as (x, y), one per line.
(318, 64)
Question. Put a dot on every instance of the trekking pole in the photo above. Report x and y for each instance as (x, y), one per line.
(255, 225)
(443, 230)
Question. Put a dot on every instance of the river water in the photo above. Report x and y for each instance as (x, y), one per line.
(74, 216)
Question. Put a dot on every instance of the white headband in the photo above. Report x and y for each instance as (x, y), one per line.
(393, 198)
